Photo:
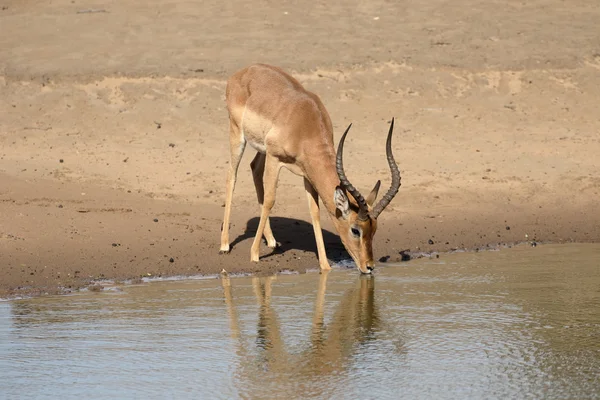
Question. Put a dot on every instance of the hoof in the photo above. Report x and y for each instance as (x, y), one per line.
(224, 251)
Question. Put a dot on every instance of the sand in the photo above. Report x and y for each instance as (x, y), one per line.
(114, 136)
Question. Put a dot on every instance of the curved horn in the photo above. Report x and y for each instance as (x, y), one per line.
(363, 211)
(385, 200)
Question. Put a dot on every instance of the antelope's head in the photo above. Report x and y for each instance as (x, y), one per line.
(356, 221)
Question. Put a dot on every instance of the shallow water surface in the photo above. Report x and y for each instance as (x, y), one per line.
(521, 322)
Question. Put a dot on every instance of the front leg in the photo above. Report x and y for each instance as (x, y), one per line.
(315, 215)
(258, 173)
(272, 167)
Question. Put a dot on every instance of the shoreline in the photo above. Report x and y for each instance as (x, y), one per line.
(70, 241)
(108, 284)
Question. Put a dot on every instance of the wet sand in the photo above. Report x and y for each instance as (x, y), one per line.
(112, 120)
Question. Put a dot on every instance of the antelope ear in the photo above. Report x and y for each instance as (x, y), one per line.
(341, 202)
(373, 195)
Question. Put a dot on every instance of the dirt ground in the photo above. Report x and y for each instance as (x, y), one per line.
(114, 146)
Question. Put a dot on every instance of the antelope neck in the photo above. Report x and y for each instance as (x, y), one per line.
(325, 180)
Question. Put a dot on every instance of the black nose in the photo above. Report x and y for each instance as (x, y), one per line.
(370, 269)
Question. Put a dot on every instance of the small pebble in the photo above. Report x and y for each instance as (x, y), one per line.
(430, 241)
(171, 259)
(404, 255)
(95, 288)
(155, 219)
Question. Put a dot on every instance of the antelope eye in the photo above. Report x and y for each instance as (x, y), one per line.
(355, 232)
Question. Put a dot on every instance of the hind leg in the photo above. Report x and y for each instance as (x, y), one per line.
(237, 144)
(258, 171)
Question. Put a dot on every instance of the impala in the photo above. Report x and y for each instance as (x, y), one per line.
(289, 127)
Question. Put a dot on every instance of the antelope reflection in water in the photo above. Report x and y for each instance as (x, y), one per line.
(330, 348)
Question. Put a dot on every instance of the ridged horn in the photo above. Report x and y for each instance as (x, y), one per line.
(385, 200)
(363, 211)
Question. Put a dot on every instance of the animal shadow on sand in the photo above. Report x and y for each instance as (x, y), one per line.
(295, 234)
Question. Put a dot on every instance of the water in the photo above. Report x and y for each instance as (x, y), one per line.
(519, 323)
